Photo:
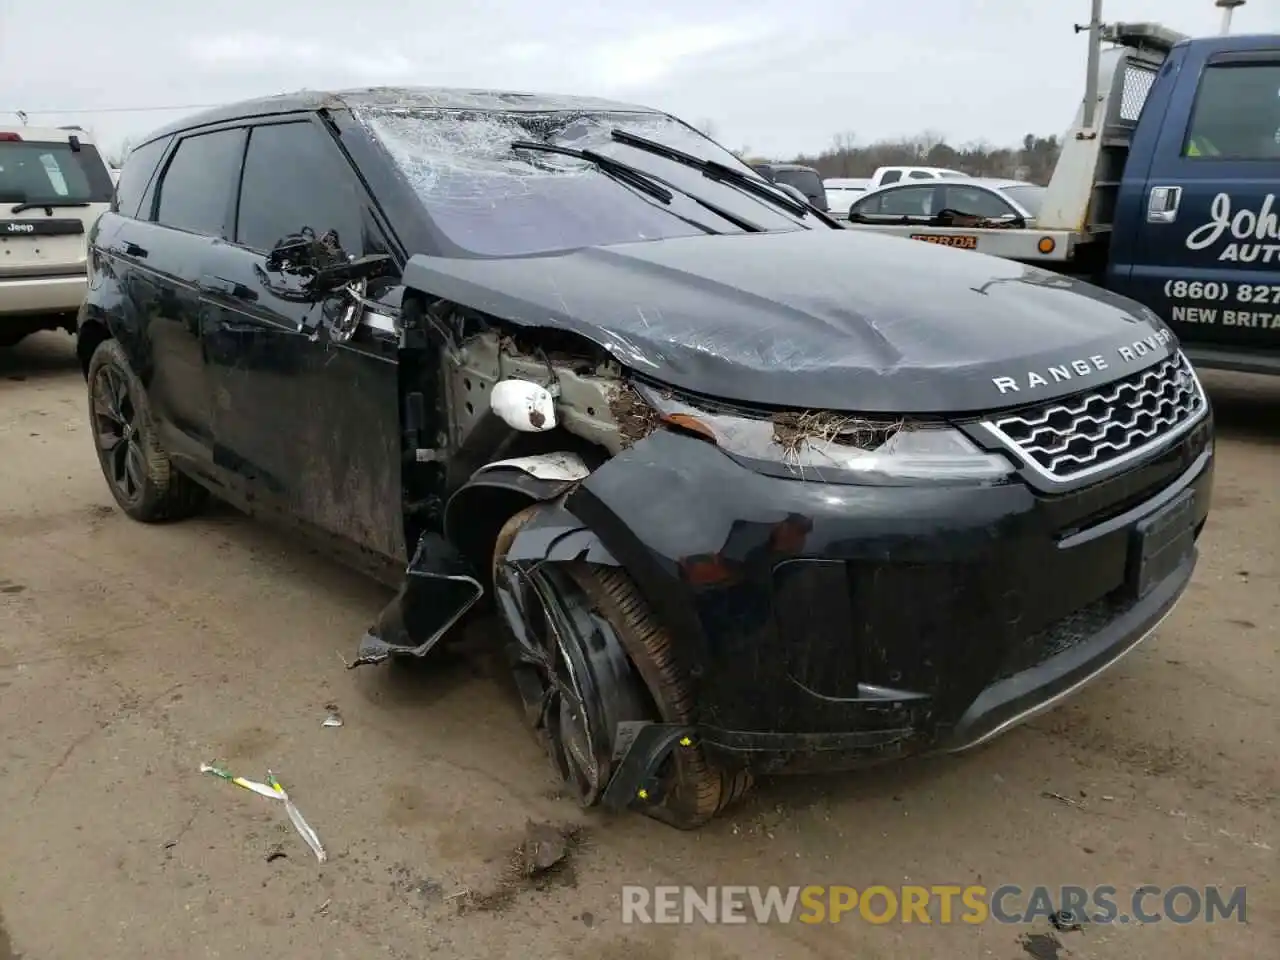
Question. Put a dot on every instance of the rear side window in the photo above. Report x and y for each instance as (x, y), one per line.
(34, 171)
(891, 176)
(135, 176)
(1237, 113)
(901, 202)
(976, 202)
(294, 177)
(199, 185)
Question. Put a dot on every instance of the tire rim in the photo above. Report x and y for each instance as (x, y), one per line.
(570, 701)
(115, 428)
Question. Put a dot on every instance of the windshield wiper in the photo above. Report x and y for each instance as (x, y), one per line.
(35, 204)
(614, 168)
(718, 171)
(655, 187)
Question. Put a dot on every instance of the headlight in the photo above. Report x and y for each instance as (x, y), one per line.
(838, 448)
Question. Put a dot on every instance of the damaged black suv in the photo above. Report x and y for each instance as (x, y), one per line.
(751, 493)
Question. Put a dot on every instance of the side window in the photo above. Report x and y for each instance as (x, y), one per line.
(295, 177)
(976, 202)
(199, 185)
(1236, 114)
(901, 202)
(890, 176)
(921, 175)
(135, 176)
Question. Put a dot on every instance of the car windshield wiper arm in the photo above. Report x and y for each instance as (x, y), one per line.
(654, 186)
(35, 204)
(615, 168)
(718, 171)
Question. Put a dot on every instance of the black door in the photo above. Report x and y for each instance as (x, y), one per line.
(191, 206)
(309, 427)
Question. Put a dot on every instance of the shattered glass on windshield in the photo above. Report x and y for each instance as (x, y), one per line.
(491, 200)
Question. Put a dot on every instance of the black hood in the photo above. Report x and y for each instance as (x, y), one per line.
(824, 319)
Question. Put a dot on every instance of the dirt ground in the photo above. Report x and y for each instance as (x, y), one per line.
(130, 654)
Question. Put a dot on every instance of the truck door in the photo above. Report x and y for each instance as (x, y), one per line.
(1205, 250)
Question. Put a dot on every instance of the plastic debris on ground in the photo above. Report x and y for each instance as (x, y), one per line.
(252, 785)
(332, 718)
(301, 825)
(273, 790)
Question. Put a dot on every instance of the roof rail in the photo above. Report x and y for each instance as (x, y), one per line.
(72, 126)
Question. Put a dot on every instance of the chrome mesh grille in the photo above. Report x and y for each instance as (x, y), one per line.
(1070, 438)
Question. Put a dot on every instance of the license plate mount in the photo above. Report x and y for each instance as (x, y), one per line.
(1161, 543)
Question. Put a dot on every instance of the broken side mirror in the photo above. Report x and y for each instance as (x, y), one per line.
(306, 268)
(333, 277)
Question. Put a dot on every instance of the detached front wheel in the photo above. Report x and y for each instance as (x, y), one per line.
(587, 655)
(143, 482)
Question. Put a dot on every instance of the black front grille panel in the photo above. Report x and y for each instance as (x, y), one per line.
(1059, 637)
(1071, 438)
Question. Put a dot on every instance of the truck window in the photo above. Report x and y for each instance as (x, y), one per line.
(1236, 114)
(920, 175)
(891, 176)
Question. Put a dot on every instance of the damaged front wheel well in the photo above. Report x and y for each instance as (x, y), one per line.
(477, 515)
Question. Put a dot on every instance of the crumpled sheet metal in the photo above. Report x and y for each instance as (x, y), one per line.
(438, 589)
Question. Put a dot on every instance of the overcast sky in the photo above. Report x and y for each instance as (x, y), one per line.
(780, 77)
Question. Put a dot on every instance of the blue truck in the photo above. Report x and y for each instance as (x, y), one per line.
(1166, 190)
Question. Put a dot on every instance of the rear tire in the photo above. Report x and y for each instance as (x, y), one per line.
(694, 791)
(145, 485)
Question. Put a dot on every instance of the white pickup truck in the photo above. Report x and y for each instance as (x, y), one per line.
(887, 175)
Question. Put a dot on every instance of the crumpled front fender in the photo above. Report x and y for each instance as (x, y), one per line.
(438, 589)
(440, 585)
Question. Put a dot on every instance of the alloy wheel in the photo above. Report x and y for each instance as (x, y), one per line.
(569, 678)
(116, 431)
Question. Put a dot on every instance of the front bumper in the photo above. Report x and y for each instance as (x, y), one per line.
(32, 296)
(827, 626)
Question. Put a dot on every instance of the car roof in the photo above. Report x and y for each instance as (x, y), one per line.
(49, 134)
(398, 98)
(787, 166)
(991, 183)
(998, 183)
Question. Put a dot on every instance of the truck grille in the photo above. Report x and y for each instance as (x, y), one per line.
(1072, 438)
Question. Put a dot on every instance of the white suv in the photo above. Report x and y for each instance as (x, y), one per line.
(53, 187)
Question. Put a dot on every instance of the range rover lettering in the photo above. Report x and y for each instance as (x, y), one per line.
(749, 493)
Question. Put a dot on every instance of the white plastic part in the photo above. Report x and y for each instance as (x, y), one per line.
(546, 466)
(523, 405)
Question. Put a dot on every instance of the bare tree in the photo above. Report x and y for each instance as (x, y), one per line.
(1035, 156)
